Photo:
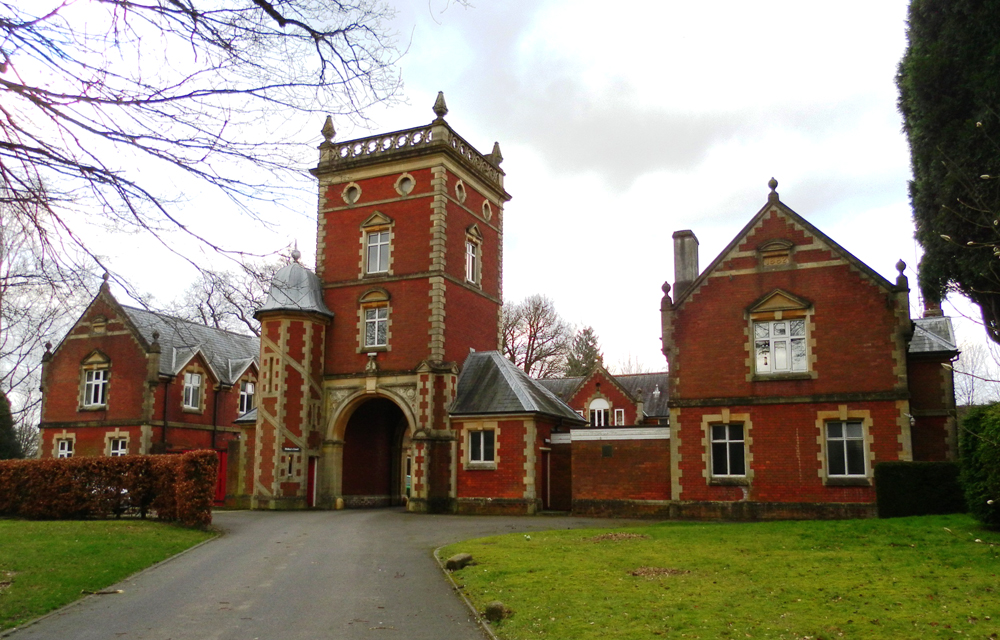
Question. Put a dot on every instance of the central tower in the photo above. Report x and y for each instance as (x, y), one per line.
(409, 256)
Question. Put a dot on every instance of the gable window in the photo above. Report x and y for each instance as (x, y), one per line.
(119, 447)
(64, 448)
(481, 446)
(845, 448)
(95, 388)
(780, 346)
(376, 326)
(728, 450)
(246, 396)
(192, 391)
(619, 417)
(599, 409)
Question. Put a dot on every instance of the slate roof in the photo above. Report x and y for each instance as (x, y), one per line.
(491, 384)
(250, 417)
(228, 354)
(653, 386)
(295, 288)
(933, 335)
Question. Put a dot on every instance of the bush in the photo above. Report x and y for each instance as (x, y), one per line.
(979, 446)
(177, 488)
(918, 489)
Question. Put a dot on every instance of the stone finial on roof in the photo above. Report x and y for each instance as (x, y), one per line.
(495, 156)
(48, 352)
(296, 254)
(155, 346)
(901, 281)
(440, 107)
(328, 131)
(773, 196)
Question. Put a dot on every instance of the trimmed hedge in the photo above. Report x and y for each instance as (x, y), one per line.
(918, 489)
(176, 488)
(979, 447)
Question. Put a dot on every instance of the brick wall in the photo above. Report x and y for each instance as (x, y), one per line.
(613, 470)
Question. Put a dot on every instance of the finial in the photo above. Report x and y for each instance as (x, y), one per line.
(773, 196)
(156, 336)
(328, 131)
(900, 267)
(295, 252)
(105, 276)
(440, 108)
(496, 156)
(48, 347)
(666, 288)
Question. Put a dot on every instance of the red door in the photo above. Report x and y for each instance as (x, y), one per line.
(220, 481)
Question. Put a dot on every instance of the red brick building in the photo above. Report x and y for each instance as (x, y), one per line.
(794, 369)
(129, 381)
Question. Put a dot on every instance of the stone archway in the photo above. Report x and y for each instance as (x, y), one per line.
(374, 456)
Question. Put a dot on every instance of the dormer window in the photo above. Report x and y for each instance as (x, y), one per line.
(599, 409)
(95, 377)
(780, 335)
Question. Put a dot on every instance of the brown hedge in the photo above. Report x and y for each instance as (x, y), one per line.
(176, 488)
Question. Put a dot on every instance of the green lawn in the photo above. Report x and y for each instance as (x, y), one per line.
(921, 577)
(44, 565)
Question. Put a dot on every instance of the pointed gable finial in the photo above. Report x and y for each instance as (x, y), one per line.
(496, 157)
(773, 196)
(296, 254)
(328, 131)
(440, 108)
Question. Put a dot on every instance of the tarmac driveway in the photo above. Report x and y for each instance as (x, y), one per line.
(291, 575)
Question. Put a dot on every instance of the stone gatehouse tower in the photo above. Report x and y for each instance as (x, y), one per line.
(359, 360)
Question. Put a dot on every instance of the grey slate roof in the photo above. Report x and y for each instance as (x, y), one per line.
(250, 417)
(227, 353)
(933, 335)
(491, 384)
(653, 386)
(295, 288)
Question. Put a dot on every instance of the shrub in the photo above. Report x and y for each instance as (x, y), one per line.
(918, 489)
(177, 488)
(979, 445)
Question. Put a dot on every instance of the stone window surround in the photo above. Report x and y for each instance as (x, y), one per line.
(376, 223)
(375, 297)
(474, 237)
(843, 414)
(795, 308)
(466, 446)
(65, 436)
(399, 181)
(117, 434)
(726, 417)
(97, 360)
(194, 369)
(345, 191)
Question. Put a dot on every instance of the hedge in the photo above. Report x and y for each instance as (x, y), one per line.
(175, 488)
(979, 449)
(918, 489)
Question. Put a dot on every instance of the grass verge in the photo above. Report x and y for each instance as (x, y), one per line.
(45, 565)
(934, 576)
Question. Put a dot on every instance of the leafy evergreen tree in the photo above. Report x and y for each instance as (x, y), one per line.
(10, 447)
(949, 95)
(585, 354)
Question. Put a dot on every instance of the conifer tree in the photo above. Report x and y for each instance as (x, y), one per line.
(585, 354)
(10, 447)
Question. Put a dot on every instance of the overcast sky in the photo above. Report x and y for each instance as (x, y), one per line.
(621, 122)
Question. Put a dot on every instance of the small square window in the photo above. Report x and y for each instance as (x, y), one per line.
(481, 446)
(119, 447)
(64, 448)
(619, 417)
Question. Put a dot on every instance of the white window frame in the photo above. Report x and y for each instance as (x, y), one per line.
(619, 417)
(192, 390)
(722, 434)
(377, 244)
(599, 411)
(376, 317)
(95, 387)
(246, 399)
(471, 261)
(64, 447)
(776, 336)
(118, 447)
(843, 444)
(477, 452)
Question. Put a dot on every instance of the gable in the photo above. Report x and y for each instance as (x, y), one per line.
(377, 219)
(778, 300)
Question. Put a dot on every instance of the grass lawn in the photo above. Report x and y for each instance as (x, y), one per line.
(44, 565)
(926, 577)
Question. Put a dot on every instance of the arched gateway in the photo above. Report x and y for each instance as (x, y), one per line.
(376, 455)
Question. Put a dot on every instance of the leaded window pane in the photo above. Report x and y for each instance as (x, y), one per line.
(761, 330)
(797, 327)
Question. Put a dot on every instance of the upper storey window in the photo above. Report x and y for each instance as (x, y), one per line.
(599, 409)
(378, 251)
(192, 391)
(96, 374)
(247, 389)
(779, 335)
(376, 245)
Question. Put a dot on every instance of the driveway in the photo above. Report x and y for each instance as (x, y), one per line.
(298, 575)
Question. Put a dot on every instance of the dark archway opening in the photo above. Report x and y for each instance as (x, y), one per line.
(373, 447)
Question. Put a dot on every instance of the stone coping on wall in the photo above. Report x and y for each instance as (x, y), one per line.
(629, 433)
